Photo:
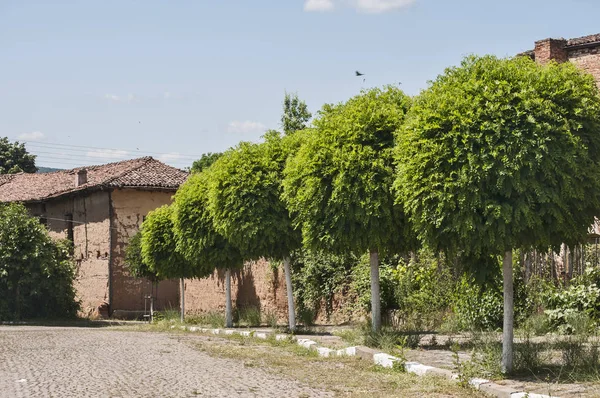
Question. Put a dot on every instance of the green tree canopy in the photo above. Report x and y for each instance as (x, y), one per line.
(159, 247)
(196, 236)
(295, 114)
(36, 274)
(205, 161)
(133, 258)
(499, 154)
(502, 153)
(338, 185)
(14, 158)
(245, 199)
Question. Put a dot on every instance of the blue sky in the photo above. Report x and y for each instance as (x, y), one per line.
(175, 79)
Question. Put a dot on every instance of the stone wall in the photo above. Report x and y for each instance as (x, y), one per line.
(587, 59)
(90, 229)
(129, 207)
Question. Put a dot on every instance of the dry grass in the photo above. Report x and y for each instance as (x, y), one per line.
(346, 377)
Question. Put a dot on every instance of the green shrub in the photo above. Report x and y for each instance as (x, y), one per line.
(479, 304)
(423, 289)
(361, 282)
(317, 276)
(581, 297)
(36, 273)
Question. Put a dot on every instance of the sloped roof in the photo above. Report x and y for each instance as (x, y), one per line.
(584, 40)
(144, 172)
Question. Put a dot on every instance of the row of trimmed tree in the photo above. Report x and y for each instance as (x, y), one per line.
(496, 154)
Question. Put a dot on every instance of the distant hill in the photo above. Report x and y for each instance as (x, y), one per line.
(47, 169)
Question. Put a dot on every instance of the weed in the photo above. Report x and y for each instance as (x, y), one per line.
(271, 319)
(249, 316)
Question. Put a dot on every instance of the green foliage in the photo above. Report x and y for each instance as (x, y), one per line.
(423, 289)
(36, 274)
(361, 283)
(479, 305)
(338, 185)
(245, 203)
(295, 114)
(196, 237)
(205, 161)
(582, 297)
(249, 316)
(502, 153)
(317, 276)
(159, 247)
(133, 259)
(14, 158)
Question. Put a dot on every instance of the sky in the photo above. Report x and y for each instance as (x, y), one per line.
(89, 82)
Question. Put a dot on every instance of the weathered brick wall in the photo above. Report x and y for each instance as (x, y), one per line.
(587, 59)
(260, 285)
(257, 284)
(129, 206)
(90, 239)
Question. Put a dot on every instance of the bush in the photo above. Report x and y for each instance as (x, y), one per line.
(361, 282)
(36, 273)
(581, 297)
(479, 302)
(423, 289)
(317, 276)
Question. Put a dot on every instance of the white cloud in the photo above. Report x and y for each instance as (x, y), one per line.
(33, 136)
(170, 157)
(120, 98)
(167, 95)
(246, 127)
(367, 6)
(108, 153)
(380, 6)
(318, 5)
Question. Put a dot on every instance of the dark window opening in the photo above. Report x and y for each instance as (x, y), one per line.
(69, 219)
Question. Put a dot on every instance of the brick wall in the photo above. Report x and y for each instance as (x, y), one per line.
(587, 59)
(257, 285)
(583, 52)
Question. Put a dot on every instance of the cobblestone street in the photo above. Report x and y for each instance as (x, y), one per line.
(95, 362)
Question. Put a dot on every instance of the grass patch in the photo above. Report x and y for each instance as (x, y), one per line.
(345, 376)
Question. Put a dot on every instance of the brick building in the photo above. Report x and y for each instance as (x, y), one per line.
(582, 51)
(99, 208)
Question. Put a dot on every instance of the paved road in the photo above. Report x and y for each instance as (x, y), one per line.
(94, 362)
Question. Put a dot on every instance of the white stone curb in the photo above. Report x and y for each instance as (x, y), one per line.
(417, 368)
(475, 382)
(324, 351)
(385, 360)
(348, 351)
(306, 343)
(380, 358)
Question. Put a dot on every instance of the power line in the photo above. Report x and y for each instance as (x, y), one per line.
(96, 159)
(67, 147)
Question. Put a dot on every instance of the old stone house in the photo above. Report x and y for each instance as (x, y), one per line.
(99, 208)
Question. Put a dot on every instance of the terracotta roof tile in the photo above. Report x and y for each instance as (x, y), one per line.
(142, 173)
(584, 40)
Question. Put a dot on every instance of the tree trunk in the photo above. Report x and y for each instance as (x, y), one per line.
(228, 314)
(182, 300)
(290, 293)
(375, 299)
(507, 330)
